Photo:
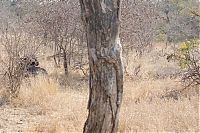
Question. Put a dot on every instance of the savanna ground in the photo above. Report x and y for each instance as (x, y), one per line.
(151, 101)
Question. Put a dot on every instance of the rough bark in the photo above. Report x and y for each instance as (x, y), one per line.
(65, 63)
(101, 20)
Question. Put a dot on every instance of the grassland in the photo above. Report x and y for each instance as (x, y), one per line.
(150, 101)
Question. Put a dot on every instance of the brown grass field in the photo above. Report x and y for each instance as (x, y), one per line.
(57, 104)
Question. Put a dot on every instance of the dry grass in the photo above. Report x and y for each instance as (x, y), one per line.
(153, 114)
(168, 116)
(43, 106)
(58, 104)
(36, 91)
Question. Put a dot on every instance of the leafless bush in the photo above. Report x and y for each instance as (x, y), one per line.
(138, 25)
(60, 25)
(14, 44)
(178, 21)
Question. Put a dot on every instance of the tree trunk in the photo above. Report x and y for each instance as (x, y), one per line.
(101, 20)
(65, 63)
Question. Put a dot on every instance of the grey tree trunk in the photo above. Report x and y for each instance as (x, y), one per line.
(101, 20)
(65, 63)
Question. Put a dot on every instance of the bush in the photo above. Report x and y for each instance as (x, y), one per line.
(188, 58)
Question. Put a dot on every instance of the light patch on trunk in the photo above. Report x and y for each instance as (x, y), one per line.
(104, 6)
(104, 52)
(118, 45)
(92, 52)
(117, 48)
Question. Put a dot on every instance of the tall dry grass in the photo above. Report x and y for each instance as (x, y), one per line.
(58, 104)
(156, 114)
(47, 107)
(143, 110)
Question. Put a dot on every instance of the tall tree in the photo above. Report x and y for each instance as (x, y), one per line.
(102, 21)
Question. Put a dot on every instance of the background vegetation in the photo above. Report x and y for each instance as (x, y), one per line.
(161, 55)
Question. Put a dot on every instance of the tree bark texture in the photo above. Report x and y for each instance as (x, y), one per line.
(102, 21)
(65, 63)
